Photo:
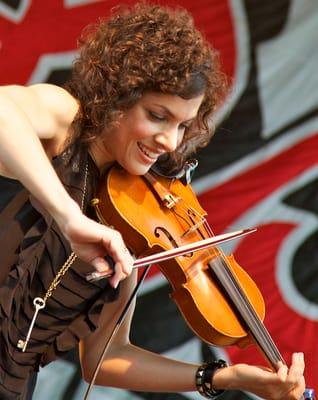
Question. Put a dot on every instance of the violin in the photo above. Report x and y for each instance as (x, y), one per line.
(217, 298)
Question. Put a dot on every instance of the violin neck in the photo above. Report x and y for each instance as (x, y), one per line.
(245, 311)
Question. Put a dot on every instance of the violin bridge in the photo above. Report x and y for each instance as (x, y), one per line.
(192, 229)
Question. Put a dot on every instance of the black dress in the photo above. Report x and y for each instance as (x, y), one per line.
(32, 252)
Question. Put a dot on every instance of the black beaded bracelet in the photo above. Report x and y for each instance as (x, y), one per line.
(204, 376)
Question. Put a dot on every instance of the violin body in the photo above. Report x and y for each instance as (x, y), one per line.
(158, 214)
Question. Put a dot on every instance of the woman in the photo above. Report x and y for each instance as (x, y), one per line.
(142, 92)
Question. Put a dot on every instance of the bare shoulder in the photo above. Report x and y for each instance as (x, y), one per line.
(49, 108)
(56, 100)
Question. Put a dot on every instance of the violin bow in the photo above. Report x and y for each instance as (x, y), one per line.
(176, 252)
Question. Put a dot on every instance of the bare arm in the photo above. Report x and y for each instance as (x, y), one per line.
(126, 365)
(130, 367)
(24, 120)
(29, 116)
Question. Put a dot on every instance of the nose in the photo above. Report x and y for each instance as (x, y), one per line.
(169, 139)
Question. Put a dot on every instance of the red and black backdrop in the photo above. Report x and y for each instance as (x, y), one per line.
(260, 169)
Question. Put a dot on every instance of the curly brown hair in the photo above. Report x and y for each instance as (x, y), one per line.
(143, 48)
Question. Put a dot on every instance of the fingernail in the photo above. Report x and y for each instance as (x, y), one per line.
(116, 285)
(96, 276)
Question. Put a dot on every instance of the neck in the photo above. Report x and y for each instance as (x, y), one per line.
(99, 161)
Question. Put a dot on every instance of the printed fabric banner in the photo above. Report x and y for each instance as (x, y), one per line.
(260, 170)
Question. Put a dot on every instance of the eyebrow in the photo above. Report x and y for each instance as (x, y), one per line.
(166, 109)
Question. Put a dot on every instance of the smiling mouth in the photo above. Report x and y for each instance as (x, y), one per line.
(145, 150)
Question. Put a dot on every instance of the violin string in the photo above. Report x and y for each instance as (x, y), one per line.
(255, 320)
(181, 216)
(194, 226)
(258, 329)
(260, 333)
(261, 327)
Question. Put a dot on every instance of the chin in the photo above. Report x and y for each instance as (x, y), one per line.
(137, 169)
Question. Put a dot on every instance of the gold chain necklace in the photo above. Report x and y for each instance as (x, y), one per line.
(39, 302)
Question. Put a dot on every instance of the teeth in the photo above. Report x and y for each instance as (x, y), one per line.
(147, 152)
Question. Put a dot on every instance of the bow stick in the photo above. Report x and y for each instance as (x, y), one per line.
(176, 252)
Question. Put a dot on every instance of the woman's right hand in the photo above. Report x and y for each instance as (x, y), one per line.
(92, 241)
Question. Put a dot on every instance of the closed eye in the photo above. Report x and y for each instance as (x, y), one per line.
(184, 126)
(156, 117)
(162, 118)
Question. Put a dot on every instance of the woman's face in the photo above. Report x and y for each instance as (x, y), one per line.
(153, 126)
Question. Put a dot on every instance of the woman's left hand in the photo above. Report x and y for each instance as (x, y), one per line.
(287, 383)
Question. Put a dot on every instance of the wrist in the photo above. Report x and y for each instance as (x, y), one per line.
(223, 378)
(205, 382)
(64, 212)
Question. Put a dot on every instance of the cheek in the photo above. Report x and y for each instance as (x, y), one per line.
(181, 136)
(140, 128)
(135, 130)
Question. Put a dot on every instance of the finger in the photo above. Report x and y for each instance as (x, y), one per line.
(118, 276)
(123, 268)
(121, 254)
(124, 258)
(297, 367)
(282, 371)
(101, 265)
